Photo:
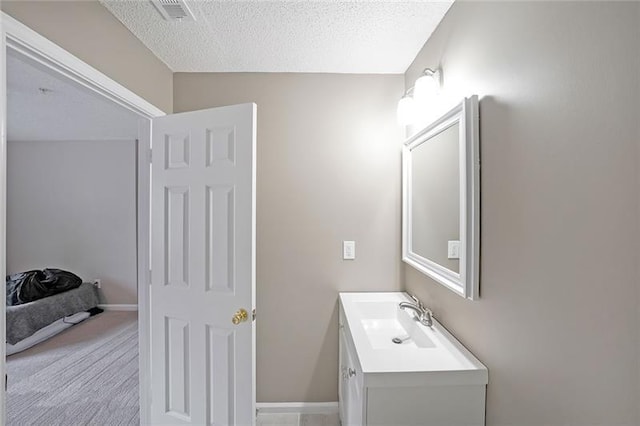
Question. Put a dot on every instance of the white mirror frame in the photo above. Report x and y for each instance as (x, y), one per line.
(466, 283)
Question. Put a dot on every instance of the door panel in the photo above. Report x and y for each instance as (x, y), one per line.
(176, 236)
(176, 339)
(220, 356)
(203, 267)
(219, 232)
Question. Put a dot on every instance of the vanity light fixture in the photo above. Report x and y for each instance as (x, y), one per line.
(425, 87)
(406, 108)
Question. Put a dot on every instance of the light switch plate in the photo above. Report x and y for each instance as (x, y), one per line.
(453, 250)
(348, 250)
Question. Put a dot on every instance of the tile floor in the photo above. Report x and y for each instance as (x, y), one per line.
(297, 419)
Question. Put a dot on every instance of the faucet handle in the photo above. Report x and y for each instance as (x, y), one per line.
(418, 302)
(427, 317)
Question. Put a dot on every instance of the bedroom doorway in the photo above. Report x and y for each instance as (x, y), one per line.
(20, 42)
(71, 204)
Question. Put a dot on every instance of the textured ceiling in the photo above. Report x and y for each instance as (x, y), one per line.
(366, 36)
(65, 112)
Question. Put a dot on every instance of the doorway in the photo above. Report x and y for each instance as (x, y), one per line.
(71, 204)
(20, 40)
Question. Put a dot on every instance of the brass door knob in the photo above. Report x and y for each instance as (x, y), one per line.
(241, 316)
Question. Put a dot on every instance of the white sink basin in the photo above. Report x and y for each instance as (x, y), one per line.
(383, 321)
(374, 319)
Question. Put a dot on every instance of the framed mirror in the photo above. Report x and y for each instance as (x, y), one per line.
(441, 200)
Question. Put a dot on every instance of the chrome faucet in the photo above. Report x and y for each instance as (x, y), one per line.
(421, 313)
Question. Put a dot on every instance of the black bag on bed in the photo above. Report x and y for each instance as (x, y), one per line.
(28, 286)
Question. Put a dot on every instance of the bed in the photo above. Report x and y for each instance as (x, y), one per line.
(26, 319)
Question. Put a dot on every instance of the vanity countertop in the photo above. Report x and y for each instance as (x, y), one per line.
(373, 319)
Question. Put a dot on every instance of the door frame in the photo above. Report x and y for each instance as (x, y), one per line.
(17, 36)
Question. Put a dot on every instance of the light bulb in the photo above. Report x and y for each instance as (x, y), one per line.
(406, 110)
(427, 86)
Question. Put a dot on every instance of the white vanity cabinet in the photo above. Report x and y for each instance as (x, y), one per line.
(429, 379)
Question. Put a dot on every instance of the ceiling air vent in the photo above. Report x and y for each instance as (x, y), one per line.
(173, 10)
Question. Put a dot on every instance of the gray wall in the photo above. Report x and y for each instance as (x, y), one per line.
(328, 170)
(67, 208)
(87, 30)
(557, 323)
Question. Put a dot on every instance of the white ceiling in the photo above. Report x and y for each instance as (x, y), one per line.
(66, 112)
(328, 36)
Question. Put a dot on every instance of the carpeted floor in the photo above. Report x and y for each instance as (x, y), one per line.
(87, 375)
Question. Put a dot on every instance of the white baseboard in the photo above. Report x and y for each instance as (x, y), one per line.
(297, 407)
(116, 307)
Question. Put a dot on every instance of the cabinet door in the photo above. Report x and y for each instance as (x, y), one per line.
(342, 383)
(350, 389)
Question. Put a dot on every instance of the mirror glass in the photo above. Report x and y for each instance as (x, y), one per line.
(441, 200)
(435, 207)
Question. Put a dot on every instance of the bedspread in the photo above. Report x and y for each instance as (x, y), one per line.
(24, 320)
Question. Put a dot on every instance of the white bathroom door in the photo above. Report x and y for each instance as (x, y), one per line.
(203, 263)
